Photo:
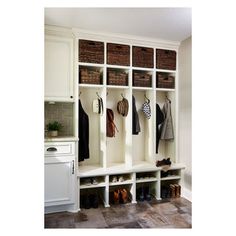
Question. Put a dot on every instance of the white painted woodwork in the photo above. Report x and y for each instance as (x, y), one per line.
(59, 181)
(59, 149)
(125, 153)
(58, 68)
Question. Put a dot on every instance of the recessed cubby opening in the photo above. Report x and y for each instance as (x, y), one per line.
(87, 96)
(92, 197)
(117, 77)
(165, 80)
(170, 188)
(170, 174)
(120, 179)
(166, 147)
(61, 112)
(146, 176)
(92, 182)
(146, 191)
(116, 146)
(142, 144)
(142, 78)
(90, 75)
(120, 194)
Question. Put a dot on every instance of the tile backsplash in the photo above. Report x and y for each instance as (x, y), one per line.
(61, 112)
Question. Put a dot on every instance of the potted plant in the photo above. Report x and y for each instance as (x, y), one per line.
(53, 128)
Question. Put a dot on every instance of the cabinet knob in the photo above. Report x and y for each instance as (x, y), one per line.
(51, 149)
(71, 96)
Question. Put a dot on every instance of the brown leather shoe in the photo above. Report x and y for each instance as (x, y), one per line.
(160, 163)
(177, 190)
(116, 196)
(124, 195)
(172, 191)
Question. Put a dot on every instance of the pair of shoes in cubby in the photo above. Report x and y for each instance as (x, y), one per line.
(175, 190)
(171, 191)
(89, 200)
(116, 179)
(164, 173)
(165, 192)
(90, 181)
(120, 196)
(143, 193)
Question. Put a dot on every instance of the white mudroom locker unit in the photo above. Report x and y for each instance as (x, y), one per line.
(85, 65)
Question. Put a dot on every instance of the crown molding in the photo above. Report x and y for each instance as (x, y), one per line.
(111, 37)
(58, 31)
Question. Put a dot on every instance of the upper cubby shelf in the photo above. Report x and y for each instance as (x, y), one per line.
(165, 59)
(90, 75)
(142, 78)
(142, 57)
(119, 56)
(91, 51)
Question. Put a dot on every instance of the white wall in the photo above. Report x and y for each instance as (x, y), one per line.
(185, 114)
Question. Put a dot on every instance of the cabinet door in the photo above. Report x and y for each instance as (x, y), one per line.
(59, 181)
(58, 68)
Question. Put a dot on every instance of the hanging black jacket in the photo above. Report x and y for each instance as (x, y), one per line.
(159, 120)
(135, 124)
(83, 134)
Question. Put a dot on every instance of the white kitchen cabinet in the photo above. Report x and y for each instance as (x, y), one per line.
(59, 180)
(58, 69)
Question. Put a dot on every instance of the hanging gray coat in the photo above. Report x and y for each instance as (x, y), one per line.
(167, 130)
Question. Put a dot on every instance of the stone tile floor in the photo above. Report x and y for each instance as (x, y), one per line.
(169, 213)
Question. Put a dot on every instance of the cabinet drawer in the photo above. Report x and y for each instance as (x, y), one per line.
(57, 149)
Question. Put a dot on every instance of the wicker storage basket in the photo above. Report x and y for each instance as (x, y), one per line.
(165, 80)
(90, 76)
(142, 57)
(142, 79)
(165, 59)
(118, 54)
(117, 77)
(91, 51)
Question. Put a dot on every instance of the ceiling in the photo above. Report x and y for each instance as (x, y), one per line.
(174, 24)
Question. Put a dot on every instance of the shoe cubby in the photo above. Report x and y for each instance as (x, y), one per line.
(146, 191)
(142, 146)
(171, 174)
(146, 177)
(96, 128)
(92, 198)
(120, 179)
(120, 194)
(92, 182)
(170, 189)
(166, 147)
(117, 147)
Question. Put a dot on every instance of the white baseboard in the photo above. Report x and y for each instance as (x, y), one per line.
(186, 193)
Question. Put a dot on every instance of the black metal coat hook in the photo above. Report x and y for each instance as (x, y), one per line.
(147, 98)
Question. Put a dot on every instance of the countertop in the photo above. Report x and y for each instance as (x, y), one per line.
(60, 139)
